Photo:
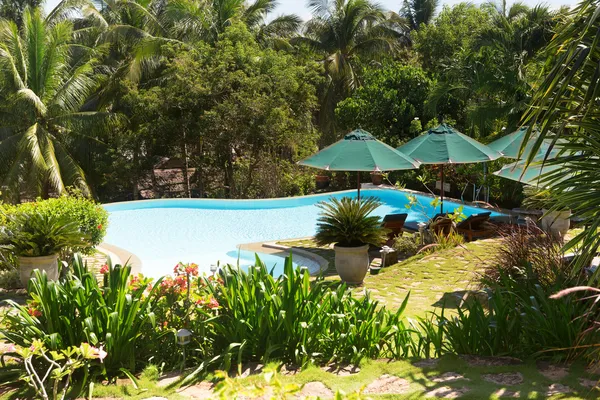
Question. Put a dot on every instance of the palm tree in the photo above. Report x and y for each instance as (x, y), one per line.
(45, 79)
(419, 12)
(566, 102)
(342, 31)
(13, 9)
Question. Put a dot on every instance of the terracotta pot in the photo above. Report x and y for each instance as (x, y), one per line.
(45, 263)
(352, 263)
(376, 178)
(556, 223)
(322, 181)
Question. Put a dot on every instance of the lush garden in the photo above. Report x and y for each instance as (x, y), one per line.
(96, 101)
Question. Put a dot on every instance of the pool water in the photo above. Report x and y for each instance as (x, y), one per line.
(206, 231)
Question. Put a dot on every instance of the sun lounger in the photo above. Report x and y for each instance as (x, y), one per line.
(395, 224)
(476, 226)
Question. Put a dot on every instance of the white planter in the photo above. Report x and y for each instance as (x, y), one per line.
(45, 263)
(352, 263)
(556, 223)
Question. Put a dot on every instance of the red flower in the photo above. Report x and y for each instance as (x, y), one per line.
(99, 226)
(213, 303)
(104, 269)
(34, 312)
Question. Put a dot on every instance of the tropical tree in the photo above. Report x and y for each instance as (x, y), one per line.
(45, 128)
(341, 32)
(418, 12)
(566, 103)
(13, 9)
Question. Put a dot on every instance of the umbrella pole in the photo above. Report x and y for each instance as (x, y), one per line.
(358, 183)
(442, 189)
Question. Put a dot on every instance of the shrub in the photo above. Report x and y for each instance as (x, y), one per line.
(76, 309)
(528, 255)
(34, 234)
(407, 244)
(89, 216)
(348, 223)
(10, 279)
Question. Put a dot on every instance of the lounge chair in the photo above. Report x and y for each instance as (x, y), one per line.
(441, 224)
(476, 226)
(395, 224)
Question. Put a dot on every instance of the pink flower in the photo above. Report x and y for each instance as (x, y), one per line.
(104, 269)
(101, 353)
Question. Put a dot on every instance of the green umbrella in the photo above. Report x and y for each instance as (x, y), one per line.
(360, 151)
(445, 145)
(528, 174)
(510, 145)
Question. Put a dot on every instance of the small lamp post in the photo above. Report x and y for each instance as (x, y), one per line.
(422, 226)
(213, 268)
(385, 250)
(184, 337)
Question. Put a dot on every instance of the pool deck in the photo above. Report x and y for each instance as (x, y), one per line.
(314, 262)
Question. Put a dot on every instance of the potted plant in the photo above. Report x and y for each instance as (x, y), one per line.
(555, 221)
(377, 178)
(322, 181)
(36, 239)
(348, 224)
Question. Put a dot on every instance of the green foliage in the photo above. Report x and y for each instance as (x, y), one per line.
(293, 319)
(90, 217)
(407, 244)
(77, 309)
(348, 223)
(33, 234)
(388, 103)
(10, 278)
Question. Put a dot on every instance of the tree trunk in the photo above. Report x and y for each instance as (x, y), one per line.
(186, 175)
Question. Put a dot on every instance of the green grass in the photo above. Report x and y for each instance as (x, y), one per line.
(432, 280)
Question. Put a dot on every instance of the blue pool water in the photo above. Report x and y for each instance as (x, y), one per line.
(206, 231)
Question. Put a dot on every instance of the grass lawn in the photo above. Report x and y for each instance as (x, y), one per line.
(432, 280)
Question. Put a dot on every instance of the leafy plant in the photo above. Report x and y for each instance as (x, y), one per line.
(348, 223)
(91, 218)
(35, 234)
(117, 315)
(407, 244)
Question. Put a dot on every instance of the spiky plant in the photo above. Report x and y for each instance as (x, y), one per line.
(349, 223)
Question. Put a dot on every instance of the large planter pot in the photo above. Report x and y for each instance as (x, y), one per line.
(322, 181)
(376, 178)
(556, 223)
(352, 263)
(44, 263)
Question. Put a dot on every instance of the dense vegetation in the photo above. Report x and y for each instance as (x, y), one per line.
(113, 100)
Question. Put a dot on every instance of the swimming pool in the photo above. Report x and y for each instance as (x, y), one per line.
(206, 231)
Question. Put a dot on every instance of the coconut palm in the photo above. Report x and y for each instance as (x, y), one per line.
(45, 79)
(341, 31)
(566, 102)
(419, 12)
(13, 9)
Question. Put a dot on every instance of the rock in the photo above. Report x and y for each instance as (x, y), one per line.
(589, 383)
(251, 369)
(289, 370)
(446, 392)
(315, 389)
(387, 384)
(168, 380)
(507, 393)
(557, 388)
(203, 390)
(341, 370)
(505, 378)
(448, 377)
(426, 363)
(552, 371)
(477, 361)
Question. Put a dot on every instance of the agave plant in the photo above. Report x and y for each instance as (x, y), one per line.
(349, 223)
(36, 234)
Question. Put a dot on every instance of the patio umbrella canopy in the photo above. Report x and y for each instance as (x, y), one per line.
(445, 145)
(527, 174)
(511, 144)
(360, 151)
